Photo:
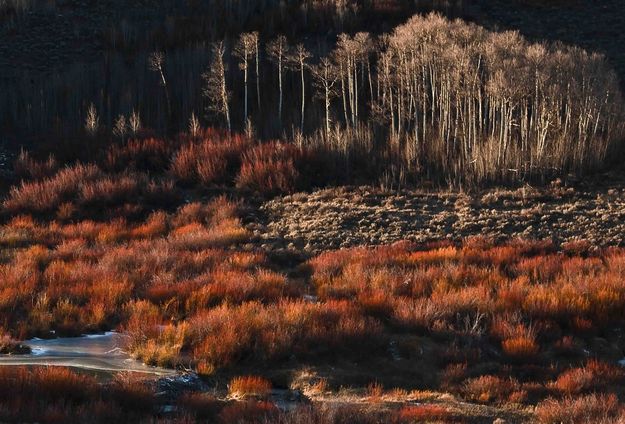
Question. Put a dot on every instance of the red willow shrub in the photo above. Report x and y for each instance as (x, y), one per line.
(423, 413)
(150, 154)
(226, 335)
(211, 160)
(27, 168)
(444, 288)
(46, 195)
(270, 168)
(85, 189)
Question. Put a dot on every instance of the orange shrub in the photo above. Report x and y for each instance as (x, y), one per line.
(423, 413)
(156, 225)
(596, 375)
(520, 347)
(574, 381)
(375, 391)
(226, 334)
(249, 385)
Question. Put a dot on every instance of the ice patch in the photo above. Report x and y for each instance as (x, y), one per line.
(37, 351)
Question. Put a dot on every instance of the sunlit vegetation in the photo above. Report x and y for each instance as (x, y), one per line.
(189, 291)
(249, 386)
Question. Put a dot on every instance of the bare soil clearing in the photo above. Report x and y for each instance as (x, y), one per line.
(361, 216)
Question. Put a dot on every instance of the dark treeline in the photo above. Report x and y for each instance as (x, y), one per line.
(434, 99)
(54, 100)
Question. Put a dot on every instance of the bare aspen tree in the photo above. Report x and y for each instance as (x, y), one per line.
(243, 51)
(157, 63)
(350, 54)
(134, 122)
(325, 77)
(120, 128)
(215, 88)
(256, 52)
(92, 121)
(365, 48)
(297, 59)
(194, 125)
(277, 50)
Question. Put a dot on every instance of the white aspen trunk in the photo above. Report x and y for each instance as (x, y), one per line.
(257, 74)
(303, 95)
(245, 69)
(280, 89)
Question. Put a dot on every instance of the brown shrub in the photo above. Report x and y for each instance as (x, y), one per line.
(590, 408)
(248, 412)
(202, 405)
(132, 393)
(489, 388)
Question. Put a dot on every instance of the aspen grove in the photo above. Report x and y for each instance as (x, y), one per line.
(440, 98)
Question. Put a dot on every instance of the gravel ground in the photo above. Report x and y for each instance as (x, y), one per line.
(361, 216)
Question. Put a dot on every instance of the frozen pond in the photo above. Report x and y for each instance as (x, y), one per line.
(97, 352)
